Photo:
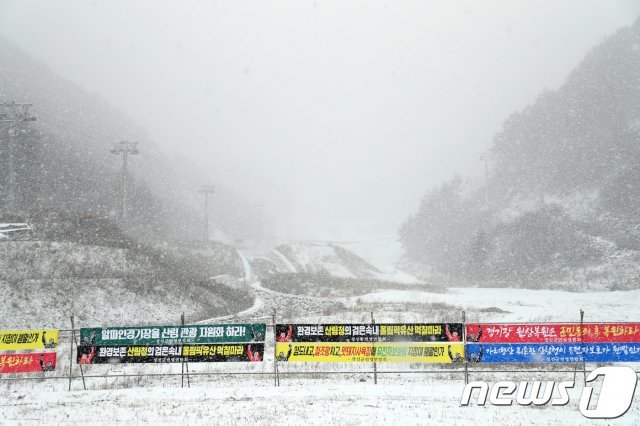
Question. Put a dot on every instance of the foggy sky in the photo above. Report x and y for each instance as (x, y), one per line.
(336, 116)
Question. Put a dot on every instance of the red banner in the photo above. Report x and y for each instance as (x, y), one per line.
(554, 333)
(27, 363)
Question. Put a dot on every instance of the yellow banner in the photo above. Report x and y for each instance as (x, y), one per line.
(443, 353)
(12, 340)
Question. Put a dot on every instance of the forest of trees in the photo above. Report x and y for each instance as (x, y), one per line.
(564, 185)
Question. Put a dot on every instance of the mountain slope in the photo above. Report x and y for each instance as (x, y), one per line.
(562, 202)
(64, 162)
(44, 282)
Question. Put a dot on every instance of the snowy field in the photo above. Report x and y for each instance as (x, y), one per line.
(319, 397)
(394, 400)
(512, 304)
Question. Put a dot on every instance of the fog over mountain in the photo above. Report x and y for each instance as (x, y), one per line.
(64, 161)
(405, 201)
(332, 117)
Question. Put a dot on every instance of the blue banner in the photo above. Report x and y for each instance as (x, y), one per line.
(553, 352)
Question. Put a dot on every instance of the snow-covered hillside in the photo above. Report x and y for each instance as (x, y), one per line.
(45, 282)
(369, 259)
(520, 305)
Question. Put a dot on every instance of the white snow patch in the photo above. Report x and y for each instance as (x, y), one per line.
(522, 304)
(407, 400)
(287, 264)
(383, 252)
(317, 257)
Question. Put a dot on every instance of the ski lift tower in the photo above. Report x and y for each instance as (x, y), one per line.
(125, 148)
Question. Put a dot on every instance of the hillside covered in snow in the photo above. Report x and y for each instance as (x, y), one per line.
(63, 161)
(560, 203)
(84, 266)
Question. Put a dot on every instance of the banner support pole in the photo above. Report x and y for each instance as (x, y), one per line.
(464, 345)
(584, 363)
(74, 340)
(71, 339)
(184, 363)
(276, 379)
(375, 365)
(84, 385)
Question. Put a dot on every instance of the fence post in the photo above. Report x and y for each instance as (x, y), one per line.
(375, 365)
(183, 363)
(464, 345)
(584, 363)
(73, 340)
(276, 379)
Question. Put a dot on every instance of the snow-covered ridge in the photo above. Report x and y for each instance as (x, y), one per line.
(344, 260)
(44, 282)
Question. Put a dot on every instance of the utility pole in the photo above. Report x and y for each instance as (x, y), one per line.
(206, 190)
(11, 114)
(125, 148)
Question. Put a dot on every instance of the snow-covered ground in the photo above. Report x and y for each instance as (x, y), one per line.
(384, 252)
(290, 266)
(313, 257)
(522, 304)
(375, 258)
(246, 400)
(321, 398)
(8, 229)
